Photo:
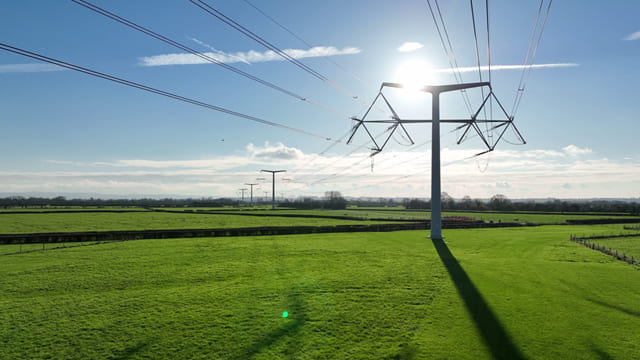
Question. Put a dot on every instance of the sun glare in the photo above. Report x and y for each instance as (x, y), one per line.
(414, 74)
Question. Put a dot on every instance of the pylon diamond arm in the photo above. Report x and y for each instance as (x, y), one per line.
(464, 134)
(354, 128)
(406, 133)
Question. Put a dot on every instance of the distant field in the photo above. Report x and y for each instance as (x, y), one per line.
(536, 218)
(511, 293)
(88, 221)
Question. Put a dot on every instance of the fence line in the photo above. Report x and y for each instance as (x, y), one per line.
(584, 240)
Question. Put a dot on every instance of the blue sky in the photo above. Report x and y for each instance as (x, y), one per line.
(69, 133)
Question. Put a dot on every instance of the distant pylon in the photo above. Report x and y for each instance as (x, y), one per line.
(251, 185)
(273, 186)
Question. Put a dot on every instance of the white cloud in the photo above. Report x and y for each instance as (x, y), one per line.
(516, 173)
(279, 151)
(410, 46)
(217, 164)
(575, 151)
(247, 57)
(29, 68)
(633, 36)
(220, 52)
(507, 67)
(503, 185)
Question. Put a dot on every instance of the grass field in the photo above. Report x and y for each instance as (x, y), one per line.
(393, 213)
(72, 208)
(624, 245)
(68, 222)
(508, 293)
(11, 249)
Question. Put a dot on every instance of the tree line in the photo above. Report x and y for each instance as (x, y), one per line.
(19, 201)
(500, 202)
(335, 200)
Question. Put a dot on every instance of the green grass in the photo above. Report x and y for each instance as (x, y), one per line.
(23, 248)
(624, 245)
(69, 222)
(535, 218)
(72, 208)
(510, 293)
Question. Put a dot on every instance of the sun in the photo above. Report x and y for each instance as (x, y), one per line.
(414, 74)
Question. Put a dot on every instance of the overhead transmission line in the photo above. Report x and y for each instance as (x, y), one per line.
(350, 166)
(205, 57)
(302, 40)
(448, 50)
(531, 56)
(250, 34)
(410, 175)
(122, 81)
(477, 47)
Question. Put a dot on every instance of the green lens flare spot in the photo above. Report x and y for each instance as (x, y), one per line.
(285, 314)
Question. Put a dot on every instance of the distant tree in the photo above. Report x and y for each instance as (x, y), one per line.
(467, 203)
(334, 200)
(417, 204)
(447, 201)
(499, 202)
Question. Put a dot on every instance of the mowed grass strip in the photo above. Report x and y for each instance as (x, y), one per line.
(72, 222)
(530, 291)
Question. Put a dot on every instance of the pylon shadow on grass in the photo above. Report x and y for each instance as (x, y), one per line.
(493, 333)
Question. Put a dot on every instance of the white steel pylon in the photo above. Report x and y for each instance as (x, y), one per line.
(468, 124)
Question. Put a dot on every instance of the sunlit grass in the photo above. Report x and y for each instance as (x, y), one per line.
(361, 295)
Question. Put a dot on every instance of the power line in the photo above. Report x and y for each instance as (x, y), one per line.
(248, 33)
(453, 63)
(302, 40)
(475, 37)
(490, 135)
(227, 20)
(529, 60)
(412, 174)
(350, 166)
(205, 57)
(121, 81)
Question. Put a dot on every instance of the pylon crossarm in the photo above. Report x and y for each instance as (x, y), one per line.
(475, 116)
(518, 133)
(503, 123)
(510, 118)
(354, 128)
(483, 152)
(371, 106)
(510, 123)
(502, 133)
(481, 135)
(464, 134)
(406, 133)
(371, 136)
(393, 129)
(439, 88)
(395, 115)
(421, 121)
